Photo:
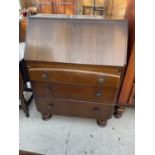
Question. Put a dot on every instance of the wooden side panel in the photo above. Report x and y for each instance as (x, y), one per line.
(127, 90)
(132, 96)
(130, 15)
(128, 82)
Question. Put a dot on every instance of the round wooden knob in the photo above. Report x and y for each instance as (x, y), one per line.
(50, 105)
(98, 94)
(48, 89)
(100, 80)
(44, 76)
(96, 110)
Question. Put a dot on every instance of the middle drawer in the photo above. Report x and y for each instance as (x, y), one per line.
(74, 92)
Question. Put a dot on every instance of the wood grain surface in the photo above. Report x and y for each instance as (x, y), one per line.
(74, 92)
(67, 107)
(75, 40)
(74, 76)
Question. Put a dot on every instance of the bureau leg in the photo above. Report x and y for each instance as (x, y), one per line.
(101, 123)
(46, 116)
(118, 111)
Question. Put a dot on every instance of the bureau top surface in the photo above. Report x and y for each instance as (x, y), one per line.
(77, 40)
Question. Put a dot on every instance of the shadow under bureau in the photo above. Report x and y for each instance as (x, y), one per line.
(76, 64)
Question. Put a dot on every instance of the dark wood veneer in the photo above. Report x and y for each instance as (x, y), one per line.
(51, 106)
(74, 76)
(75, 92)
(76, 65)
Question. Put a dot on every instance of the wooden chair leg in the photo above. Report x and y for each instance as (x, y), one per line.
(29, 100)
(24, 105)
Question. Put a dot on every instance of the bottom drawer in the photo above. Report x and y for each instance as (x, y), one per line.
(74, 108)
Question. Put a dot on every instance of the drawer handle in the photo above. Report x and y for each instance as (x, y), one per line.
(98, 94)
(50, 106)
(101, 80)
(96, 110)
(48, 89)
(44, 76)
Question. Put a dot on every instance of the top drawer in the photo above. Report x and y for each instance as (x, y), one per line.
(74, 76)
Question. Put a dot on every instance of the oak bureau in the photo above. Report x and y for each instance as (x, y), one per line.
(75, 64)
